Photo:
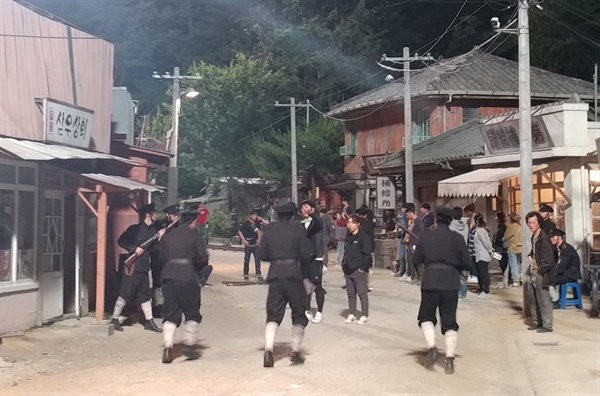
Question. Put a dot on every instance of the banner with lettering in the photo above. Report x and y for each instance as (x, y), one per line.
(67, 124)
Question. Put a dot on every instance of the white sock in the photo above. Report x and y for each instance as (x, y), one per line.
(192, 328)
(119, 305)
(169, 333)
(147, 308)
(297, 337)
(451, 339)
(428, 330)
(270, 332)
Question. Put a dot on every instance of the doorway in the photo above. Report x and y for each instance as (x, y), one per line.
(52, 263)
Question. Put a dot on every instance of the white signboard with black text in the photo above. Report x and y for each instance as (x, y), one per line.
(386, 193)
(67, 124)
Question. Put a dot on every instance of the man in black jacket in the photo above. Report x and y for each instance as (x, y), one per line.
(290, 252)
(366, 226)
(539, 275)
(443, 254)
(182, 254)
(136, 286)
(568, 266)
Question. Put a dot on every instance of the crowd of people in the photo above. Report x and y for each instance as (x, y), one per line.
(442, 251)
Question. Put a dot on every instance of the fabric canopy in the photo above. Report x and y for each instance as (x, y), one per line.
(479, 183)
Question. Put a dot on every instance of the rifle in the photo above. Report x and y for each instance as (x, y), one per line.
(130, 261)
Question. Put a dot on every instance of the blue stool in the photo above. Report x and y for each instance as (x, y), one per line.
(576, 300)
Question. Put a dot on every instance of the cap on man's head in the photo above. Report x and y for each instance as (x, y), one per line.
(546, 208)
(285, 208)
(445, 213)
(410, 207)
(514, 216)
(148, 208)
(307, 202)
(557, 232)
(362, 211)
(172, 209)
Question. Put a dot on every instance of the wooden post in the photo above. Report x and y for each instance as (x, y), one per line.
(101, 254)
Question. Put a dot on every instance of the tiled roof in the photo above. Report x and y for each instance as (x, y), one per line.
(462, 142)
(473, 73)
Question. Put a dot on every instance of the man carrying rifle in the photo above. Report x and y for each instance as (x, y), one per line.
(135, 283)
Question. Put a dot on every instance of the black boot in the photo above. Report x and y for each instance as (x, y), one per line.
(116, 324)
(190, 352)
(268, 359)
(449, 369)
(150, 325)
(431, 357)
(167, 355)
(297, 358)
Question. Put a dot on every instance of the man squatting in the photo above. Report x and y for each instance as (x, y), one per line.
(290, 252)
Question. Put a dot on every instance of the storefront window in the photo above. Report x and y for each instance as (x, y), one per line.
(17, 221)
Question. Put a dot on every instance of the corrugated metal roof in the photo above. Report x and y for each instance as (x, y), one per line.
(123, 182)
(462, 142)
(474, 73)
(39, 151)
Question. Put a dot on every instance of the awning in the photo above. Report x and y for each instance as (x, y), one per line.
(122, 183)
(479, 183)
(39, 151)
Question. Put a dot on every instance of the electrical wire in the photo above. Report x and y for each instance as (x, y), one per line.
(573, 30)
(577, 13)
(448, 27)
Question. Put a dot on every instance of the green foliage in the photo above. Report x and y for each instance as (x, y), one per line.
(317, 149)
(220, 225)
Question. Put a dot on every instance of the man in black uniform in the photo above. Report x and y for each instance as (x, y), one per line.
(137, 285)
(547, 224)
(444, 255)
(182, 253)
(285, 245)
(568, 265)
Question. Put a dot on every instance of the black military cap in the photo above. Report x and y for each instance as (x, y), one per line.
(557, 232)
(445, 213)
(148, 208)
(362, 211)
(172, 209)
(546, 208)
(283, 208)
(308, 202)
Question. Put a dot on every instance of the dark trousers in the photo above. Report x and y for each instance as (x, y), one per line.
(504, 264)
(483, 276)
(282, 292)
(181, 297)
(248, 250)
(562, 279)
(316, 277)
(446, 300)
(356, 283)
(135, 287)
(205, 272)
(474, 266)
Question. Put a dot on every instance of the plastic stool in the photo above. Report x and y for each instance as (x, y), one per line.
(576, 300)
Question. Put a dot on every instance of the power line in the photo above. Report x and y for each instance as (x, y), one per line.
(576, 12)
(447, 28)
(591, 41)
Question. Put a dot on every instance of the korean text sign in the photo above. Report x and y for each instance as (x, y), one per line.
(67, 124)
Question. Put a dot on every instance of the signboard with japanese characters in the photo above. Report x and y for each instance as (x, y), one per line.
(503, 137)
(67, 124)
(386, 193)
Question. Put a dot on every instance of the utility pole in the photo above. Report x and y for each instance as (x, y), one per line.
(173, 134)
(408, 140)
(292, 107)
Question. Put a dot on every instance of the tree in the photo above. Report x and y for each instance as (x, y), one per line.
(317, 151)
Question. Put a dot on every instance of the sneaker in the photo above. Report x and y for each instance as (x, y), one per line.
(404, 277)
(309, 315)
(318, 318)
(370, 288)
(325, 269)
(350, 319)
(245, 277)
(260, 279)
(398, 275)
(483, 295)
(472, 279)
(407, 279)
(544, 330)
(363, 320)
(515, 284)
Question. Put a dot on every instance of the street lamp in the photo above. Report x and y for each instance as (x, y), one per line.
(173, 134)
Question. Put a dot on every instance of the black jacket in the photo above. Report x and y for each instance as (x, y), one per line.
(366, 226)
(182, 253)
(544, 258)
(568, 264)
(135, 236)
(286, 246)
(357, 252)
(444, 254)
